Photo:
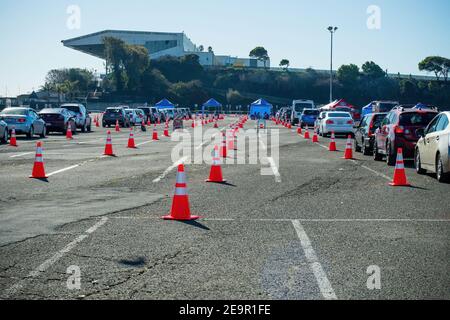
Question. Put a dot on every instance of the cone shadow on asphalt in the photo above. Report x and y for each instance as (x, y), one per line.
(41, 179)
(138, 262)
(196, 224)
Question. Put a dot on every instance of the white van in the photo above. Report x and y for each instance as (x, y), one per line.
(297, 108)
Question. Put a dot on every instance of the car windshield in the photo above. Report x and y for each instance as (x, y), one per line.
(75, 109)
(417, 118)
(386, 107)
(13, 111)
(113, 111)
(339, 115)
(299, 107)
(311, 112)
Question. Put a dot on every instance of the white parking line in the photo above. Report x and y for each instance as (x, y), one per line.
(271, 161)
(321, 277)
(21, 154)
(377, 173)
(142, 143)
(48, 263)
(63, 170)
(169, 169)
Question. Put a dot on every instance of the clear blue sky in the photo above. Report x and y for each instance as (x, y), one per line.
(31, 31)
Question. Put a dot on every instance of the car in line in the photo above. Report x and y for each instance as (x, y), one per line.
(159, 114)
(82, 117)
(337, 122)
(133, 116)
(298, 106)
(141, 115)
(379, 107)
(149, 114)
(4, 132)
(319, 119)
(24, 121)
(365, 132)
(308, 117)
(169, 114)
(399, 130)
(432, 151)
(58, 120)
(113, 115)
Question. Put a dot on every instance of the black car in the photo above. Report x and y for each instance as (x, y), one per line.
(365, 132)
(58, 120)
(112, 115)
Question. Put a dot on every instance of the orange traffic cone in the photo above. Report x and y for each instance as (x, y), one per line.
(223, 150)
(155, 133)
(166, 130)
(400, 179)
(216, 125)
(13, 139)
(315, 138)
(349, 149)
(69, 135)
(193, 124)
(180, 205)
(307, 136)
(216, 169)
(97, 122)
(108, 147)
(299, 130)
(117, 126)
(149, 123)
(332, 146)
(131, 143)
(38, 168)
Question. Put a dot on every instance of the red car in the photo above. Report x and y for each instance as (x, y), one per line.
(399, 130)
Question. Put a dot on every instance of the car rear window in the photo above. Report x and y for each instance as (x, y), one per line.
(19, 112)
(378, 119)
(339, 115)
(113, 111)
(416, 118)
(311, 112)
(386, 107)
(75, 109)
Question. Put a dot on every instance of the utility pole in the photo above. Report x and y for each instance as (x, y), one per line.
(332, 31)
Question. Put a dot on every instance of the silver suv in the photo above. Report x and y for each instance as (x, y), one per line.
(82, 118)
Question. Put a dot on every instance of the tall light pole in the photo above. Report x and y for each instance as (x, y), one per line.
(332, 31)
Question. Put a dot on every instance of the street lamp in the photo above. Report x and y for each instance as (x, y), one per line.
(332, 31)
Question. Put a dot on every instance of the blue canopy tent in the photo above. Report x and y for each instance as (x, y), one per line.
(211, 103)
(261, 107)
(165, 104)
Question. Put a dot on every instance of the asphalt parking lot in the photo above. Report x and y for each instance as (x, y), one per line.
(310, 232)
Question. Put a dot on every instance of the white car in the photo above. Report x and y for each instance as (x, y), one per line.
(433, 148)
(133, 116)
(319, 119)
(337, 122)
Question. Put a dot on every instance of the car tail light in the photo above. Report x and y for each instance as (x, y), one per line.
(21, 120)
(330, 122)
(399, 130)
(350, 122)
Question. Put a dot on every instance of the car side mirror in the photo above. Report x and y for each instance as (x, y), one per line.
(420, 133)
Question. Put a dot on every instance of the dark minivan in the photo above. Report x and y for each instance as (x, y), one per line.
(114, 115)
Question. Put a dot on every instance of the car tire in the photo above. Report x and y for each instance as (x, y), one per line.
(376, 155)
(43, 133)
(84, 128)
(440, 175)
(391, 157)
(357, 146)
(5, 136)
(30, 133)
(365, 151)
(418, 163)
(73, 127)
(89, 128)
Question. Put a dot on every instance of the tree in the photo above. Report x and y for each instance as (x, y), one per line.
(348, 74)
(439, 65)
(201, 48)
(115, 53)
(261, 54)
(372, 70)
(210, 49)
(285, 63)
(136, 62)
(77, 81)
